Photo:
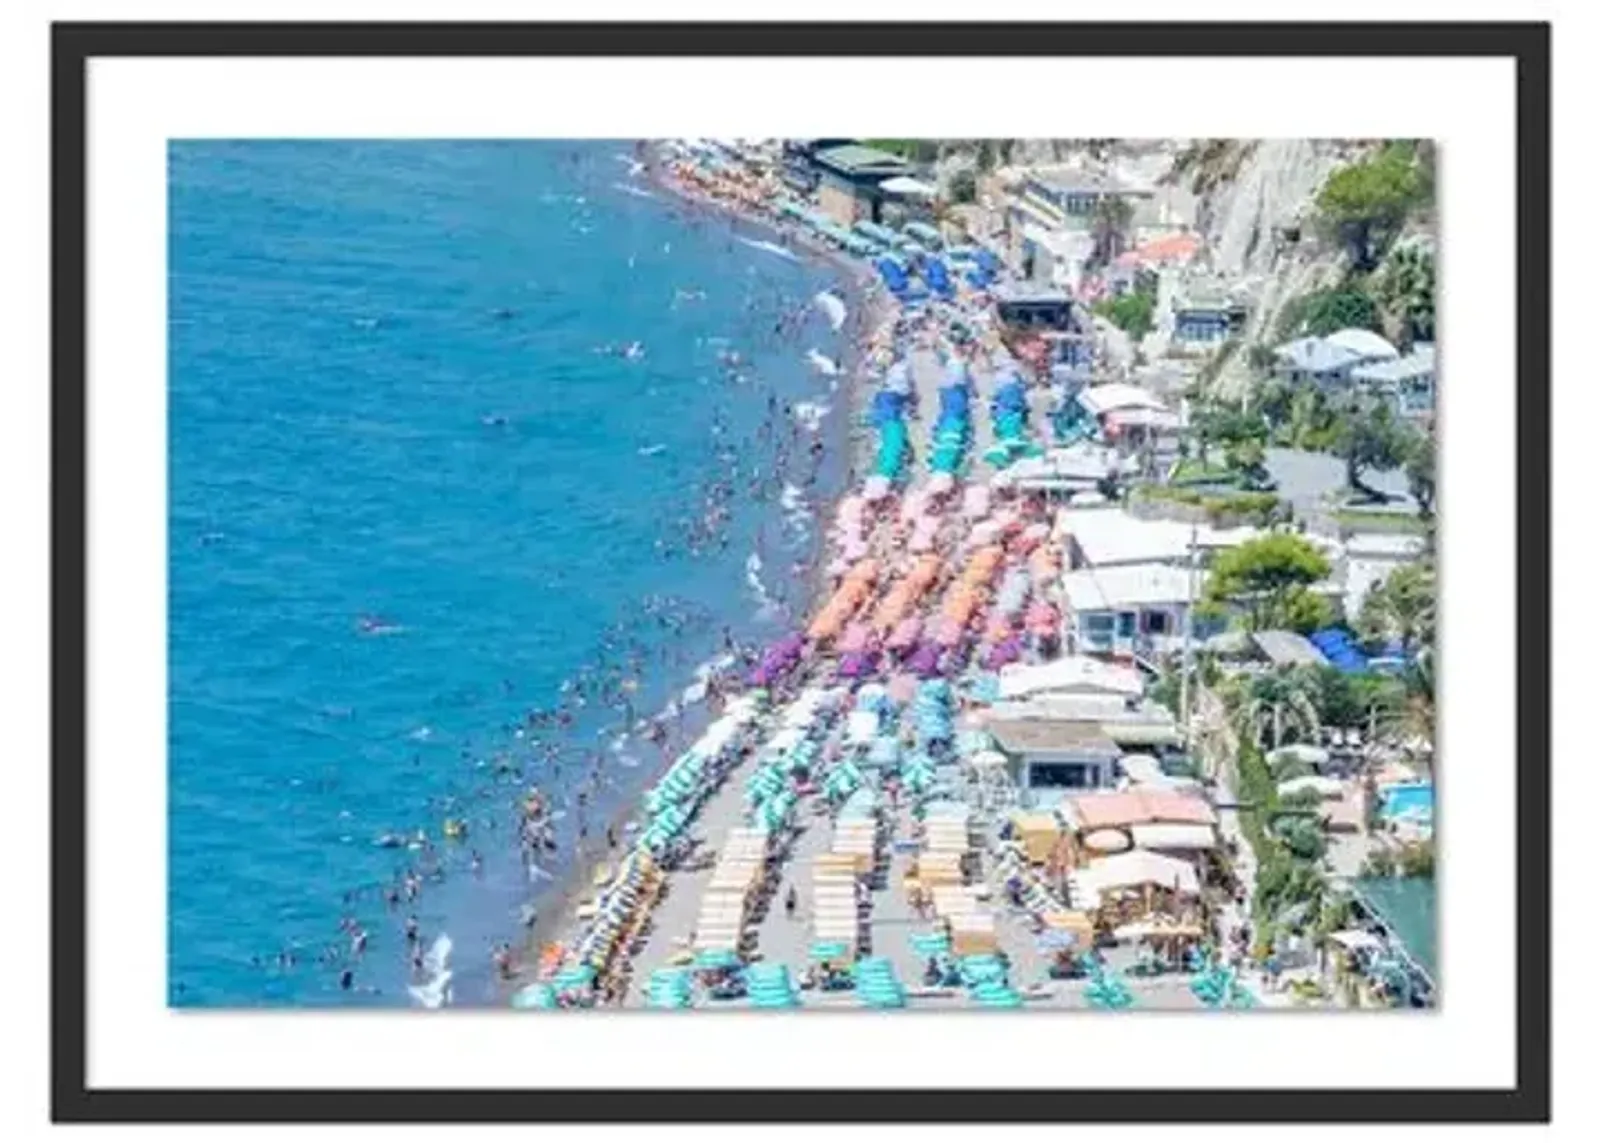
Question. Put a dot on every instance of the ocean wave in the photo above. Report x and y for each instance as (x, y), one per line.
(810, 414)
(770, 248)
(822, 363)
(434, 991)
(832, 305)
(639, 192)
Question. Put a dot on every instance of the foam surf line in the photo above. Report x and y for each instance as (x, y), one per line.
(832, 305)
(769, 247)
(823, 364)
(434, 992)
(810, 414)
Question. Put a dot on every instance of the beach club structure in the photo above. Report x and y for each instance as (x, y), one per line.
(850, 179)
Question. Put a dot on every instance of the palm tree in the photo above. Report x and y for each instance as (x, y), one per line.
(1405, 287)
(1404, 607)
(1280, 701)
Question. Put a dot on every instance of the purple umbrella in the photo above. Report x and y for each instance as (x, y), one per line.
(854, 666)
(925, 660)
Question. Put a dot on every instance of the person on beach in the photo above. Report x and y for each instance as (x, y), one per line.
(790, 903)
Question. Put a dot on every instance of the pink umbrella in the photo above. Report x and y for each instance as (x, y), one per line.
(926, 660)
(857, 639)
(904, 636)
(946, 631)
(975, 501)
(903, 687)
(1042, 618)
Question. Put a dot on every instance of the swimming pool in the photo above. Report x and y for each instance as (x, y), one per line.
(1408, 799)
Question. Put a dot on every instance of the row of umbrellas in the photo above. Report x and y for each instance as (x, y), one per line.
(672, 801)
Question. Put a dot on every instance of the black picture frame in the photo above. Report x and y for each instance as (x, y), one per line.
(74, 45)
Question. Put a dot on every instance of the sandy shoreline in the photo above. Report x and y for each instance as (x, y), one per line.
(558, 904)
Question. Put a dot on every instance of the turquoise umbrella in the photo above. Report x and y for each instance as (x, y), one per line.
(534, 996)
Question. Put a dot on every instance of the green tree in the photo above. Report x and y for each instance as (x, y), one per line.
(1367, 436)
(1404, 608)
(1278, 702)
(1305, 611)
(1356, 702)
(1265, 576)
(1419, 463)
(964, 185)
(1366, 202)
(1328, 311)
(1405, 287)
(1302, 837)
(1132, 312)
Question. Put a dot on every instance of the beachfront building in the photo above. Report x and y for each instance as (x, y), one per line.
(1108, 536)
(1406, 383)
(1046, 754)
(1131, 417)
(1329, 362)
(1136, 611)
(849, 181)
(906, 199)
(1031, 308)
(1069, 675)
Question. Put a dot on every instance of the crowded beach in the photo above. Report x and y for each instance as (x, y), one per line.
(944, 788)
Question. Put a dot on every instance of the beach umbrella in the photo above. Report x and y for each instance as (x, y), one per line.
(535, 996)
(857, 638)
(902, 686)
(925, 660)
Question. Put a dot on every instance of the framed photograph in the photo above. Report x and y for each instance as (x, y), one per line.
(801, 572)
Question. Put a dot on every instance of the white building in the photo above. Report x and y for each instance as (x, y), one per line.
(1330, 362)
(1070, 675)
(1407, 383)
(1108, 536)
(1132, 609)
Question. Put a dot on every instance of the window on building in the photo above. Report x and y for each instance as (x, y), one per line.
(1098, 626)
(1127, 624)
(1157, 622)
(1062, 775)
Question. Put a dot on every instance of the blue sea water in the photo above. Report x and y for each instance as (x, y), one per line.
(409, 498)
